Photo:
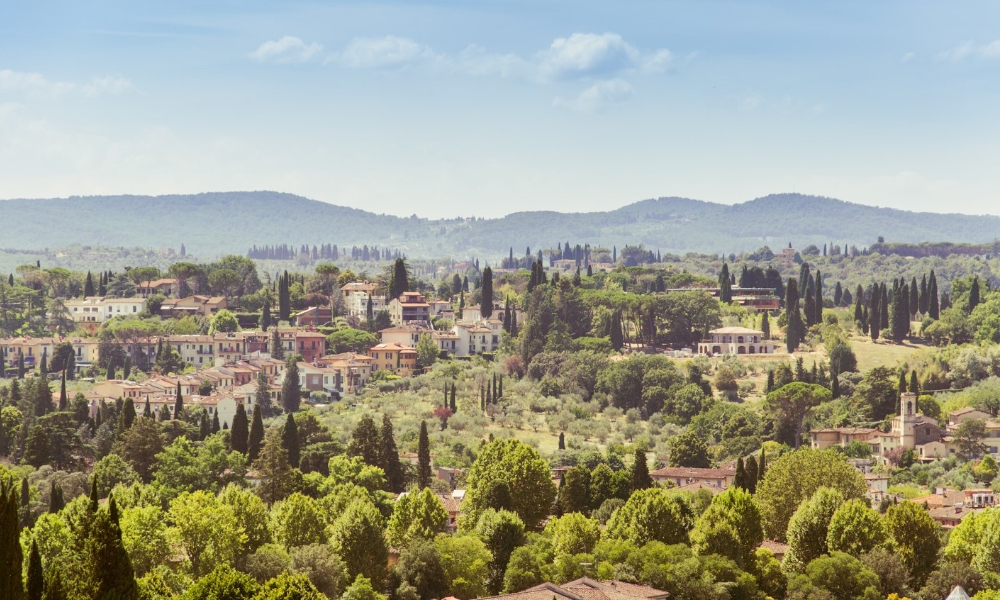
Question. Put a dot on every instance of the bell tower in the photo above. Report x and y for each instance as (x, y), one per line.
(908, 419)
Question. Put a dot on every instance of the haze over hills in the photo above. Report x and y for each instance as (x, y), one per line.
(218, 223)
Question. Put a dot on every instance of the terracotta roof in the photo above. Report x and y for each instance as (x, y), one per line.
(587, 589)
(693, 472)
(737, 330)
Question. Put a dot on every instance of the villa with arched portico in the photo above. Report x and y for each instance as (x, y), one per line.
(736, 340)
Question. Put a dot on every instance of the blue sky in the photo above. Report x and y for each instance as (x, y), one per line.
(484, 108)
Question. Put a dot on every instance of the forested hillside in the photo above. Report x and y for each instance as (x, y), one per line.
(218, 223)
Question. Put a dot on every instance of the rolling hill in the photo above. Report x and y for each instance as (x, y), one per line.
(218, 223)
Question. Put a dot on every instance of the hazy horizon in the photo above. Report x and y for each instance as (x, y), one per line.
(448, 109)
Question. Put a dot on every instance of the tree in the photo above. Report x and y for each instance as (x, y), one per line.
(916, 536)
(398, 278)
(652, 515)
(573, 534)
(206, 529)
(574, 493)
(427, 350)
(365, 442)
(357, 537)
(288, 586)
(110, 565)
(35, 583)
(795, 477)
(856, 529)
(486, 302)
(501, 531)
(223, 322)
(290, 441)
(464, 559)
(348, 339)
(793, 327)
(298, 520)
(291, 393)
(278, 479)
(239, 432)
(265, 316)
(11, 555)
(223, 583)
(178, 404)
(790, 404)
(524, 472)
(361, 589)
(389, 457)
(418, 514)
(262, 394)
(725, 285)
(730, 527)
(838, 576)
(969, 438)
(274, 346)
(420, 572)
(808, 528)
(139, 445)
(765, 326)
(423, 458)
(688, 450)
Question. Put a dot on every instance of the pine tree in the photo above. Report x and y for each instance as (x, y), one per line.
(240, 431)
(178, 404)
(256, 438)
(423, 458)
(291, 393)
(290, 441)
(389, 457)
(36, 583)
(486, 303)
(640, 472)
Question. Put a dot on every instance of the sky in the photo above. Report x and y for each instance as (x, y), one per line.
(463, 108)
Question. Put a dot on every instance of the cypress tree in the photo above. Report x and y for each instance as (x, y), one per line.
(923, 295)
(88, 285)
(794, 324)
(164, 414)
(291, 393)
(20, 365)
(834, 383)
(818, 317)
(290, 441)
(94, 498)
(240, 430)
(454, 407)
(640, 472)
(874, 324)
(389, 457)
(111, 567)
(858, 313)
(256, 438)
(617, 340)
(70, 367)
(914, 384)
(750, 468)
(864, 321)
(725, 285)
(838, 295)
(809, 308)
(423, 458)
(974, 294)
(761, 466)
(36, 583)
(500, 387)
(179, 403)
(883, 307)
(204, 427)
(63, 399)
(215, 427)
(769, 387)
(901, 384)
(3, 368)
(914, 299)
(486, 303)
(765, 326)
(275, 346)
(265, 316)
(740, 479)
(11, 556)
(562, 440)
(45, 361)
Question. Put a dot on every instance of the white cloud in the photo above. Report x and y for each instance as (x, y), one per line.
(36, 83)
(991, 50)
(593, 55)
(598, 96)
(288, 49)
(969, 49)
(907, 57)
(382, 53)
(959, 52)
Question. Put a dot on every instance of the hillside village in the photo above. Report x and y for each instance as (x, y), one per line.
(566, 423)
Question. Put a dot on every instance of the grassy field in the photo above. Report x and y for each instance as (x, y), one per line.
(885, 354)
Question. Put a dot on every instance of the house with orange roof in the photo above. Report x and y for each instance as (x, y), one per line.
(398, 360)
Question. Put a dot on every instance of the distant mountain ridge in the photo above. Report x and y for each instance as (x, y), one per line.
(218, 223)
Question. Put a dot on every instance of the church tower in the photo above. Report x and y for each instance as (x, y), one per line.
(908, 419)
